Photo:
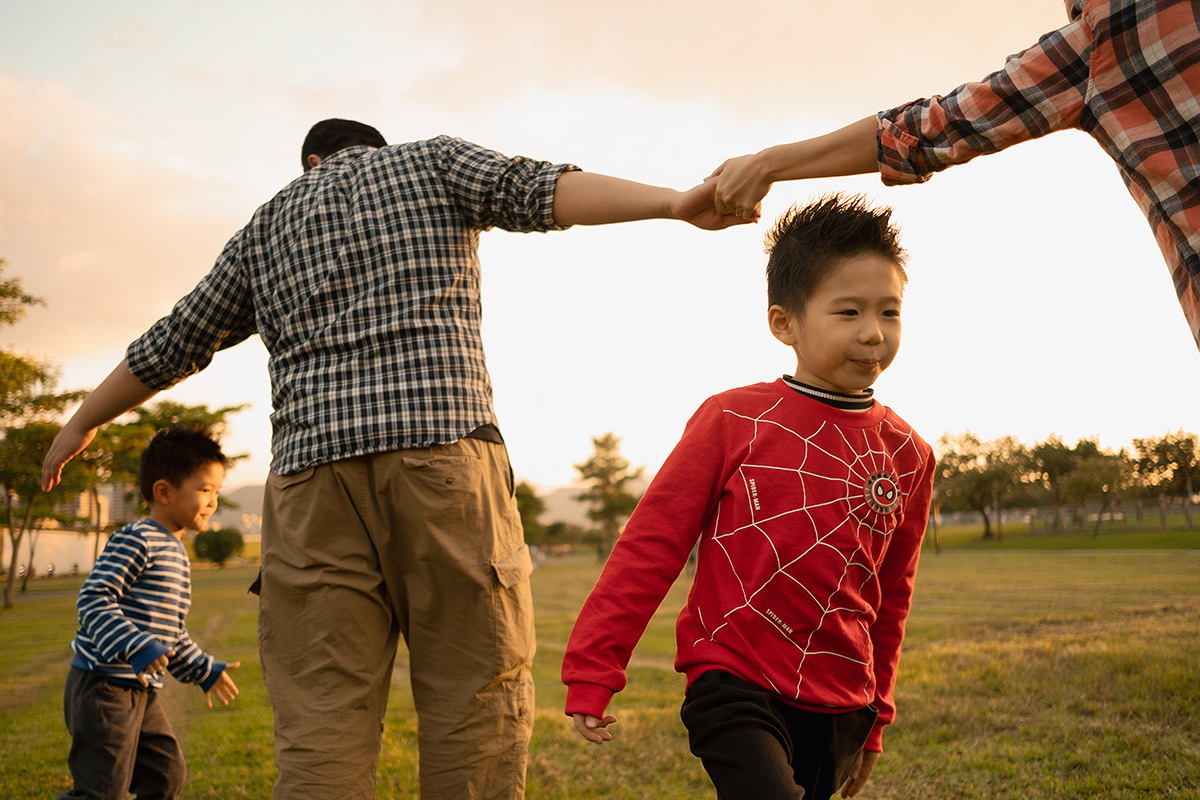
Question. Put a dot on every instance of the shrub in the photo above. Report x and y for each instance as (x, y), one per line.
(218, 545)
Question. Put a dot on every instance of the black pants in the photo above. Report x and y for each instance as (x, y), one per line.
(121, 742)
(755, 746)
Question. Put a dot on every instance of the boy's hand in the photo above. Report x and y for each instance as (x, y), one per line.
(224, 689)
(695, 206)
(592, 728)
(858, 780)
(154, 667)
(740, 187)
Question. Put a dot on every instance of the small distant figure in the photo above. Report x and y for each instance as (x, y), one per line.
(75, 569)
(808, 500)
(50, 570)
(132, 609)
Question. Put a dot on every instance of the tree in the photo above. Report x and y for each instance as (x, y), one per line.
(1168, 466)
(1098, 475)
(113, 456)
(607, 475)
(111, 459)
(28, 402)
(26, 383)
(22, 449)
(530, 506)
(14, 300)
(167, 414)
(1053, 461)
(981, 476)
(560, 532)
(218, 545)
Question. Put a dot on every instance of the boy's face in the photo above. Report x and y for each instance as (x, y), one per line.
(190, 504)
(849, 331)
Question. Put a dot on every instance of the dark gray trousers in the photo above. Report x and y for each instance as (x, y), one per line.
(121, 742)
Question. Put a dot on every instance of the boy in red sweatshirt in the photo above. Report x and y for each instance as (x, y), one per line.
(809, 501)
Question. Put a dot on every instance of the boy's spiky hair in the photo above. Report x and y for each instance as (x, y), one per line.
(808, 242)
(174, 454)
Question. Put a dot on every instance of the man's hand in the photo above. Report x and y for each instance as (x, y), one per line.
(224, 689)
(592, 728)
(154, 667)
(118, 393)
(695, 206)
(69, 443)
(739, 187)
(858, 780)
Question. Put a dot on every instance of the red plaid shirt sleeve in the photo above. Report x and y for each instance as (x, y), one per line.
(1127, 73)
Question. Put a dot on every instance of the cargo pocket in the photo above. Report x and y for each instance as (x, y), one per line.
(513, 608)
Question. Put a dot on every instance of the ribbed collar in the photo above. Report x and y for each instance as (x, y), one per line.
(863, 401)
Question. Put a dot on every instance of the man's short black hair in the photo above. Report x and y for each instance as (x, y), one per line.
(331, 135)
(174, 454)
(808, 242)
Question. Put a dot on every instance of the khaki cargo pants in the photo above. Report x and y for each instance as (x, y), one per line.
(424, 544)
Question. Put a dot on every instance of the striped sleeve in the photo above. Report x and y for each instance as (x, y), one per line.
(114, 634)
(133, 608)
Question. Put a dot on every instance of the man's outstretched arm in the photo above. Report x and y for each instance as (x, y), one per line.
(120, 392)
(589, 198)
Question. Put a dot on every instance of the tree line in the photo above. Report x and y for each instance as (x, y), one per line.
(1074, 481)
(31, 406)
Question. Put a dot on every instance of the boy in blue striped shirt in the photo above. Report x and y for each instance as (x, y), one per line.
(132, 613)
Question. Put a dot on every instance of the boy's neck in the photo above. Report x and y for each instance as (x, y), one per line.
(157, 515)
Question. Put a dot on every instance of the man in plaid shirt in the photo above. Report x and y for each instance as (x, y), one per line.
(390, 507)
(1126, 72)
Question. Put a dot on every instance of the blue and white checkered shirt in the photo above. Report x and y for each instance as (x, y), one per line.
(362, 279)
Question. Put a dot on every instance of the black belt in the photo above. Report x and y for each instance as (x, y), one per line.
(487, 432)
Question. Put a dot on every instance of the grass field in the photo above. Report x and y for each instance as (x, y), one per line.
(1026, 674)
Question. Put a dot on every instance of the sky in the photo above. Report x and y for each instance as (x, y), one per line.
(138, 137)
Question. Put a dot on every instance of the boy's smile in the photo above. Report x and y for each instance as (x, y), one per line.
(190, 504)
(849, 331)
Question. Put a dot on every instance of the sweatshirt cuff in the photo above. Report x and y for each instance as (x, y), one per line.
(144, 657)
(218, 668)
(875, 739)
(587, 698)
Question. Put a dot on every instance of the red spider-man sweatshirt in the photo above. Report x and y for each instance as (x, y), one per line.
(810, 520)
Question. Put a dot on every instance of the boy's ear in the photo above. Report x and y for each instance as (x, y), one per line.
(779, 319)
(162, 490)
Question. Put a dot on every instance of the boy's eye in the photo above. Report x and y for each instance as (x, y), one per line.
(849, 312)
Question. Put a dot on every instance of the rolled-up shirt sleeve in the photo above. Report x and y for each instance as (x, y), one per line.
(218, 313)
(493, 190)
(1039, 90)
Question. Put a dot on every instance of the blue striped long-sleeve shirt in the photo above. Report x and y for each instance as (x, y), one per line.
(133, 608)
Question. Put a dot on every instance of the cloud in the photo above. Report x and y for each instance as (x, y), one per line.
(766, 57)
(108, 235)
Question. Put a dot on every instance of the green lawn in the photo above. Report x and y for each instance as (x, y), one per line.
(1026, 674)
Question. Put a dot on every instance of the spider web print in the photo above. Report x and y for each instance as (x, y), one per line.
(820, 505)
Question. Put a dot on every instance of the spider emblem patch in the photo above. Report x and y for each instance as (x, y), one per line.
(882, 493)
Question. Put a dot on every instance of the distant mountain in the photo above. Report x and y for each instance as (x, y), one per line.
(249, 500)
(561, 506)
